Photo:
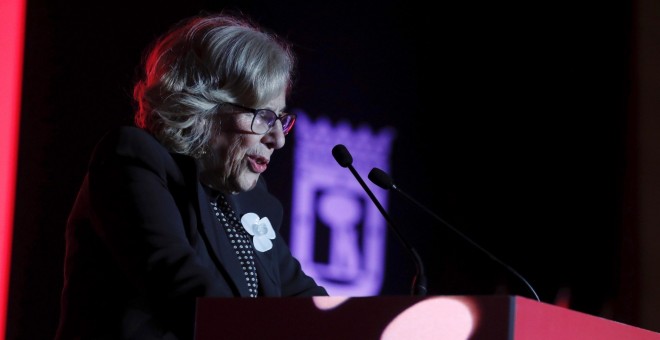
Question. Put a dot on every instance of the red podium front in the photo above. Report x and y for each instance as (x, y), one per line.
(403, 317)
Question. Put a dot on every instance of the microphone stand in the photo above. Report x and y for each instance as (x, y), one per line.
(419, 286)
(382, 179)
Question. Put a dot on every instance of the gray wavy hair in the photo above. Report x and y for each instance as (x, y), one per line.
(201, 63)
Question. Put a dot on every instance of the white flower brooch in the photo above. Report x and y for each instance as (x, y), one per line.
(260, 229)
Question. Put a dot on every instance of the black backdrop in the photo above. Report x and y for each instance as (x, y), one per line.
(510, 123)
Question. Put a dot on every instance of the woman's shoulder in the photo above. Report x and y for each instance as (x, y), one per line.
(129, 139)
(130, 142)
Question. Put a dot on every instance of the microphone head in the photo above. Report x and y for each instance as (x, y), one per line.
(381, 178)
(342, 156)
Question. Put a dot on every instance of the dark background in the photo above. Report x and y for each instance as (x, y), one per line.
(511, 124)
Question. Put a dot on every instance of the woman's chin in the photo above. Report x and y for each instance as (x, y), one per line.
(247, 182)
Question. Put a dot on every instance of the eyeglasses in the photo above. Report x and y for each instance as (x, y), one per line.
(264, 120)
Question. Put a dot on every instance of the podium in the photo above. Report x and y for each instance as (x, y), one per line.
(496, 317)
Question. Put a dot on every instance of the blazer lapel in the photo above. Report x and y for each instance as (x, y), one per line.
(215, 238)
(263, 204)
(266, 266)
(221, 247)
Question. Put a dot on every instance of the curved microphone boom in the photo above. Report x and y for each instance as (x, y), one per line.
(345, 160)
(383, 180)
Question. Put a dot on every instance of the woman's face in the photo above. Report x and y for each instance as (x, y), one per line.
(237, 156)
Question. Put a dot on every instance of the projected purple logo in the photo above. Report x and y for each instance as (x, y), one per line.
(337, 233)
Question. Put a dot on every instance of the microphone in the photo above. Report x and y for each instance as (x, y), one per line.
(383, 180)
(345, 160)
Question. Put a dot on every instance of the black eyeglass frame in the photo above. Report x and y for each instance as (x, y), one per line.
(269, 122)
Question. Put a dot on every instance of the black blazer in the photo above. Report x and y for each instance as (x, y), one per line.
(142, 244)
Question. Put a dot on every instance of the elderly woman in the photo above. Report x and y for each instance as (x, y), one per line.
(175, 208)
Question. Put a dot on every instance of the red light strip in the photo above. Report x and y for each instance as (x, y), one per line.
(12, 26)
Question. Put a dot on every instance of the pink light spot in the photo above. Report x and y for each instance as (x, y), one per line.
(328, 302)
(438, 318)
